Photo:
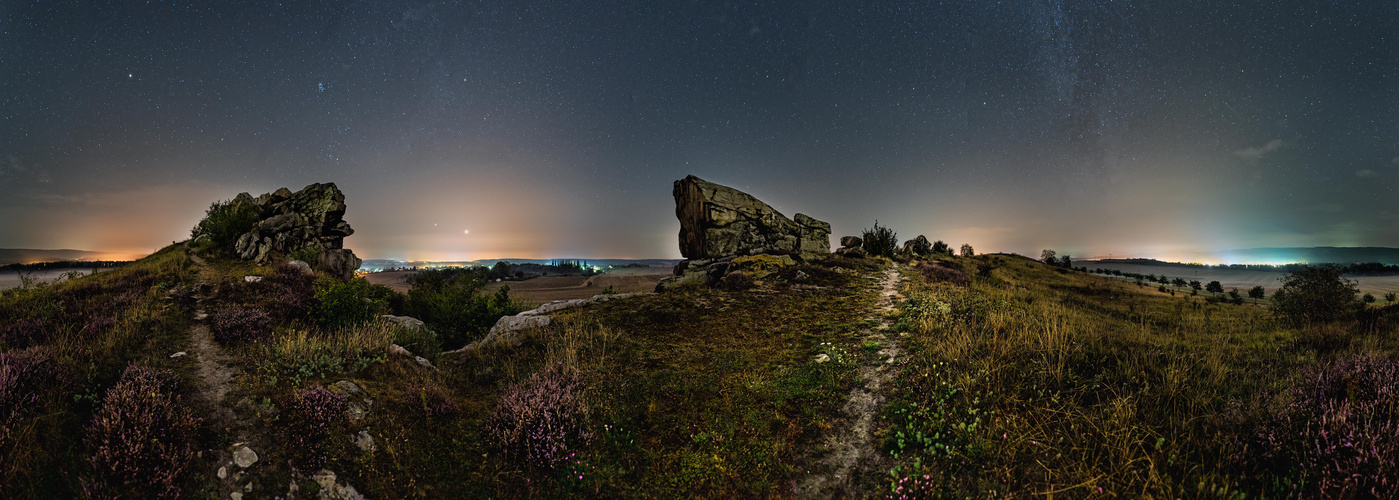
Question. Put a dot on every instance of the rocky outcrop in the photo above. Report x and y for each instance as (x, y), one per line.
(308, 223)
(719, 221)
(507, 329)
(851, 246)
(917, 247)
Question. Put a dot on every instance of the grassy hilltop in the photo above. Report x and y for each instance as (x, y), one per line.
(992, 375)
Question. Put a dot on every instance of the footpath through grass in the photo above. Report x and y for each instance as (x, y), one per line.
(1027, 379)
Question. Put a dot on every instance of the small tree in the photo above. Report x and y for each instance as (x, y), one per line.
(1256, 293)
(880, 241)
(1065, 262)
(1178, 282)
(968, 252)
(1390, 297)
(941, 248)
(1315, 294)
(1214, 287)
(1368, 298)
(1048, 256)
(1195, 286)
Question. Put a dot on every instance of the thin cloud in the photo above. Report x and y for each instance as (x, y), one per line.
(1259, 151)
(1366, 174)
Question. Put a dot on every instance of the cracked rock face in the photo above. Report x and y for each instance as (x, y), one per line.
(719, 221)
(307, 222)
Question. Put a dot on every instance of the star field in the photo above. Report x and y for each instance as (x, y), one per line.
(555, 128)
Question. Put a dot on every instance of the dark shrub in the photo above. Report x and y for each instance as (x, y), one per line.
(736, 281)
(450, 302)
(543, 419)
(235, 324)
(940, 273)
(224, 222)
(1315, 294)
(340, 303)
(1337, 436)
(142, 437)
(23, 333)
(428, 400)
(314, 413)
(287, 293)
(880, 241)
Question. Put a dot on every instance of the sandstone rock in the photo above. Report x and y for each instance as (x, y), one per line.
(244, 456)
(301, 265)
(364, 441)
(252, 279)
(851, 252)
(307, 221)
(761, 266)
(917, 247)
(223, 472)
(719, 221)
(359, 401)
(409, 323)
(851, 242)
(332, 489)
(179, 354)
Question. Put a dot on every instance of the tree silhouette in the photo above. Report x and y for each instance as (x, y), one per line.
(1256, 293)
(1047, 256)
(1214, 287)
(967, 250)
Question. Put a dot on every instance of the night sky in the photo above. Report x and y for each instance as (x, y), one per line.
(555, 129)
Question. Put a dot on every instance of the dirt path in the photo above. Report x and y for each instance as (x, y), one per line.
(851, 453)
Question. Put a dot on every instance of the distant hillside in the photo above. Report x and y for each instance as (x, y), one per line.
(28, 256)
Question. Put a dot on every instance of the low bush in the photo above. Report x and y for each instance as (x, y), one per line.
(450, 302)
(543, 419)
(341, 303)
(1336, 436)
(302, 355)
(142, 437)
(428, 400)
(314, 413)
(235, 324)
(880, 241)
(25, 332)
(940, 273)
(224, 222)
(287, 293)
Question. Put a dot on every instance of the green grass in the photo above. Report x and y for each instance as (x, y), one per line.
(1035, 380)
(1030, 380)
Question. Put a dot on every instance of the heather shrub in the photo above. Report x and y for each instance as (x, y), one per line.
(234, 324)
(543, 419)
(25, 332)
(314, 413)
(880, 241)
(940, 273)
(428, 400)
(1336, 435)
(287, 293)
(142, 438)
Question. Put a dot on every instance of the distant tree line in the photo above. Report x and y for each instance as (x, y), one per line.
(64, 264)
(1357, 268)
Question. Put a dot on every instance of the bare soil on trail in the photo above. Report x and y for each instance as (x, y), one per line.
(851, 455)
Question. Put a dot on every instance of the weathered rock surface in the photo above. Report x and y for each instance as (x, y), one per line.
(917, 247)
(851, 242)
(508, 328)
(719, 221)
(309, 221)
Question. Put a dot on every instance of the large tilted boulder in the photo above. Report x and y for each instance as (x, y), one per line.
(724, 230)
(917, 247)
(719, 221)
(307, 223)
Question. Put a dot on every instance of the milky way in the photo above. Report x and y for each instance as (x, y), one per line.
(554, 129)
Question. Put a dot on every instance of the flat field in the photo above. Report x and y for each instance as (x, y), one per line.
(1239, 278)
